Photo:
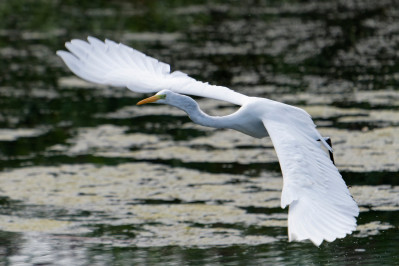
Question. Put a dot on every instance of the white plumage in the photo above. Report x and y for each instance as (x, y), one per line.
(118, 65)
(321, 207)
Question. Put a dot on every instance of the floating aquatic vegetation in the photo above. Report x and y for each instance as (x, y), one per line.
(14, 134)
(372, 229)
(369, 150)
(168, 206)
(28, 225)
(107, 137)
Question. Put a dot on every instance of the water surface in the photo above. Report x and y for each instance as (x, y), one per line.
(88, 178)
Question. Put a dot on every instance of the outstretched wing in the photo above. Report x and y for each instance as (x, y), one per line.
(115, 64)
(321, 207)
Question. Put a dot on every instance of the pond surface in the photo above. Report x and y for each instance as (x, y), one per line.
(88, 178)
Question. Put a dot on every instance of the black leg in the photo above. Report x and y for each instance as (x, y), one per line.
(328, 140)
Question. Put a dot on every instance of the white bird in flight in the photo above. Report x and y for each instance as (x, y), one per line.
(320, 204)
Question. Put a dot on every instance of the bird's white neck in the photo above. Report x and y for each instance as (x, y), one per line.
(239, 120)
(195, 113)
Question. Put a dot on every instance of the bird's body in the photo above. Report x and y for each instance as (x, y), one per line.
(321, 207)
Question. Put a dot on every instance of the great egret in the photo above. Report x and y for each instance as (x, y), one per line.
(320, 204)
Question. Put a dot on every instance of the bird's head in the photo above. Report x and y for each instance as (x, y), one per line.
(171, 98)
(163, 96)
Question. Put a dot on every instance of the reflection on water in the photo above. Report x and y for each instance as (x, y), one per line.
(89, 178)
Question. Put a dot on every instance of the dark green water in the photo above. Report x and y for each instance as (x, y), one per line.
(88, 178)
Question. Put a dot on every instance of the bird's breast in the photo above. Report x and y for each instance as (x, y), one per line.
(249, 120)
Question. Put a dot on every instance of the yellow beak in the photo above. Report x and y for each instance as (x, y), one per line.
(150, 99)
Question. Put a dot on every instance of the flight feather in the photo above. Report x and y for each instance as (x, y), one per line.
(118, 65)
(320, 204)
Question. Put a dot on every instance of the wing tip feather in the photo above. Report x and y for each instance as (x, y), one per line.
(317, 222)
